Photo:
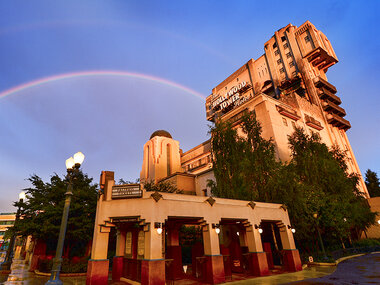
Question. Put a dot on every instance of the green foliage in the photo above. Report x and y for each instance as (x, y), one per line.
(122, 181)
(372, 182)
(163, 186)
(244, 166)
(190, 235)
(42, 211)
(325, 189)
(45, 265)
(314, 182)
(367, 242)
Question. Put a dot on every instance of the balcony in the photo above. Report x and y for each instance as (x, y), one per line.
(288, 113)
(330, 107)
(320, 82)
(311, 122)
(338, 121)
(325, 94)
(320, 58)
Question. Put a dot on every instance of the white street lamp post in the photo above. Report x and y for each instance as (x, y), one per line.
(72, 165)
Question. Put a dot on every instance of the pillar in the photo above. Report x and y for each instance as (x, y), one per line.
(153, 265)
(98, 265)
(174, 251)
(39, 250)
(117, 264)
(214, 260)
(257, 259)
(291, 256)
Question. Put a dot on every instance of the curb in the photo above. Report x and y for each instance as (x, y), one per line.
(339, 260)
(37, 272)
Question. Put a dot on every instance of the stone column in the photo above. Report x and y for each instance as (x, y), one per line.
(214, 260)
(98, 265)
(258, 264)
(153, 264)
(291, 257)
(117, 266)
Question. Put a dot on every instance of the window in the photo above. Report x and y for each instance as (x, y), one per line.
(289, 54)
(282, 70)
(307, 39)
(286, 45)
(284, 122)
(294, 73)
(204, 192)
(237, 79)
(283, 38)
(274, 45)
(168, 160)
(279, 61)
(291, 63)
(276, 52)
(2, 233)
(293, 125)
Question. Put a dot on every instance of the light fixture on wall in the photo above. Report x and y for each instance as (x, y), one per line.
(292, 229)
(216, 227)
(238, 233)
(158, 227)
(259, 227)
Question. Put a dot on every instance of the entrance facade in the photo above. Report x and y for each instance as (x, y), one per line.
(148, 229)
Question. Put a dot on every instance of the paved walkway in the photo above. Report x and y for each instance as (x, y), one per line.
(359, 270)
(21, 276)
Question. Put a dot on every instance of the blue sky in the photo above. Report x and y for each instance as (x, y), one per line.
(196, 44)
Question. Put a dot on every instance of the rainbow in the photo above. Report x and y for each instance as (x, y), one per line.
(58, 77)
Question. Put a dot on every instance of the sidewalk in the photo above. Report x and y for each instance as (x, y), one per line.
(21, 276)
(309, 272)
(358, 270)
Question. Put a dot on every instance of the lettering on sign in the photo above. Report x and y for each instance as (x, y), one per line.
(126, 191)
(128, 243)
(141, 244)
(228, 98)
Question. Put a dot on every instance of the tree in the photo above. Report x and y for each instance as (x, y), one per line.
(314, 185)
(162, 186)
(41, 212)
(372, 182)
(244, 165)
(326, 188)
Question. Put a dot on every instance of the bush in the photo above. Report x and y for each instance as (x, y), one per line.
(45, 265)
(367, 242)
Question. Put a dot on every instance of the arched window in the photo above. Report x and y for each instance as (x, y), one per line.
(168, 159)
(147, 161)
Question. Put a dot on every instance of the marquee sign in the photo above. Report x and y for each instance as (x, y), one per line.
(232, 98)
(126, 191)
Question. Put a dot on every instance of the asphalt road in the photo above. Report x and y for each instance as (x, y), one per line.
(358, 270)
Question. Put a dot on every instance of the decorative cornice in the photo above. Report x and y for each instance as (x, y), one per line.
(252, 205)
(211, 201)
(156, 196)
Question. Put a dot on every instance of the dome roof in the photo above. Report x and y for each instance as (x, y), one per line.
(161, 133)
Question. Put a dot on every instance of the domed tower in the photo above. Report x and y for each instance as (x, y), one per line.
(161, 157)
